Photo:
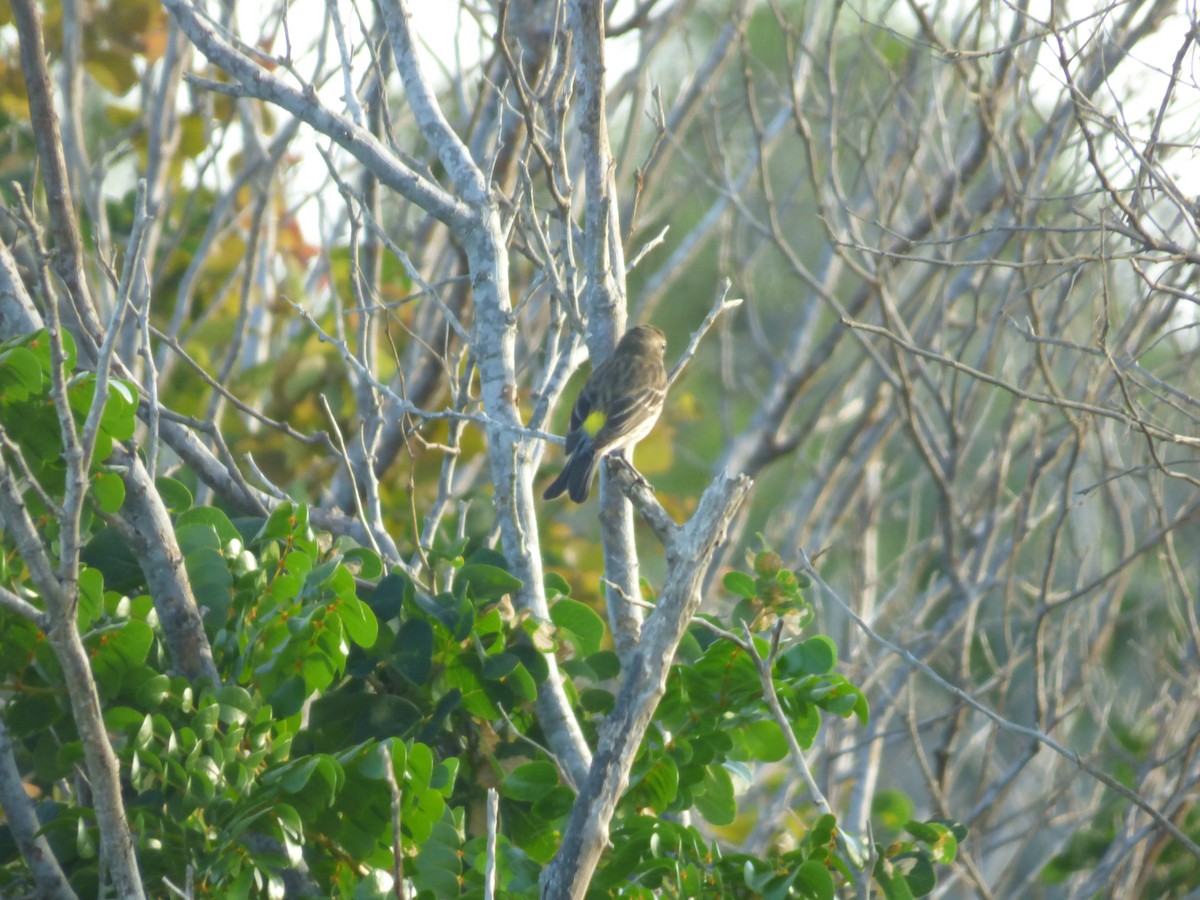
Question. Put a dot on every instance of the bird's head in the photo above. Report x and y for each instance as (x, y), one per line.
(644, 339)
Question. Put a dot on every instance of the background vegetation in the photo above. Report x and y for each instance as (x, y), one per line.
(293, 299)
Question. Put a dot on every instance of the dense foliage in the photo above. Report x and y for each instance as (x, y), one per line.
(294, 297)
(334, 673)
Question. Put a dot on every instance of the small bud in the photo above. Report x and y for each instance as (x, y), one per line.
(767, 564)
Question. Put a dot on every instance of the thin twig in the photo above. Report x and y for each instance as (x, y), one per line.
(721, 306)
(1007, 724)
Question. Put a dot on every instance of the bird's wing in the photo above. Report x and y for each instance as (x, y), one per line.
(629, 413)
(579, 414)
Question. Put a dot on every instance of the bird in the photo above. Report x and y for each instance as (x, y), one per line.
(618, 406)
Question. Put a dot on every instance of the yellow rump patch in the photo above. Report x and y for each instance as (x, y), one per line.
(594, 422)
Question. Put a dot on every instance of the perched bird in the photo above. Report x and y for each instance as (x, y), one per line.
(619, 404)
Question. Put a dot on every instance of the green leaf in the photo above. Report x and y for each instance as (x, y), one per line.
(813, 880)
(891, 881)
(764, 741)
(193, 536)
(153, 691)
(806, 724)
(462, 673)
(175, 494)
(958, 829)
(815, 656)
(532, 660)
(294, 777)
(388, 597)
(455, 613)
(521, 683)
(444, 774)
(319, 774)
(580, 621)
(91, 596)
(715, 796)
(818, 654)
(822, 830)
(739, 583)
(235, 703)
(211, 583)
(373, 762)
(68, 344)
(339, 715)
(108, 553)
(487, 556)
(20, 374)
(498, 666)
(212, 517)
(659, 785)
(554, 804)
(359, 621)
(85, 839)
(892, 807)
(428, 809)
(108, 490)
(419, 770)
(917, 873)
(530, 781)
(597, 700)
(486, 582)
(279, 524)
(438, 861)
(370, 566)
(412, 654)
(119, 718)
(120, 412)
(556, 584)
(288, 699)
(605, 664)
(116, 653)
(941, 841)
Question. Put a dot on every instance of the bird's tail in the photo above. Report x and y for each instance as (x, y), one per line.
(575, 478)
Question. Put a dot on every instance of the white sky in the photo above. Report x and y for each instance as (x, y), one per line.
(452, 41)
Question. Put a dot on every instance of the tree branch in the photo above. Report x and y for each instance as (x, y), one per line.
(643, 681)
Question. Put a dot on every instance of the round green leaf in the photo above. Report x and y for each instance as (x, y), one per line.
(412, 651)
(279, 524)
(739, 583)
(892, 807)
(486, 582)
(174, 494)
(154, 690)
(813, 880)
(370, 566)
(108, 490)
(213, 517)
(500, 665)
(530, 781)
(388, 596)
(91, 596)
(815, 656)
(288, 699)
(715, 798)
(582, 622)
(211, 582)
(358, 621)
(939, 838)
(554, 804)
(20, 374)
(556, 584)
(765, 741)
(660, 784)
